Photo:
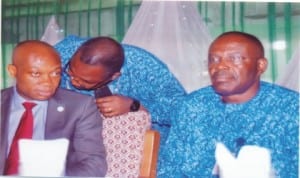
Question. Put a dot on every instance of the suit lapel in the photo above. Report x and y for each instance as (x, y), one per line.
(55, 117)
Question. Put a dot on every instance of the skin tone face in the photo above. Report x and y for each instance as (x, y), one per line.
(86, 77)
(36, 68)
(235, 66)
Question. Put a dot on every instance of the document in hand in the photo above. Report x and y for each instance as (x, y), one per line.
(43, 158)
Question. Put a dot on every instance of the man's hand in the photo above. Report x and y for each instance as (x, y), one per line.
(114, 105)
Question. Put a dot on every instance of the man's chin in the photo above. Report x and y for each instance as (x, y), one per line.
(223, 92)
(43, 98)
(42, 95)
(223, 89)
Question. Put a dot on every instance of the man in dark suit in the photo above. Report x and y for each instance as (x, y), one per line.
(57, 113)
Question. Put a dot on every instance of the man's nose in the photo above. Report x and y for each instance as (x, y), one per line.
(46, 78)
(223, 63)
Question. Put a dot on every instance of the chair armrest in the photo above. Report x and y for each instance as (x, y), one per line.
(150, 154)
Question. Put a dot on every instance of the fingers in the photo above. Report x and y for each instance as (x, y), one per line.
(103, 105)
(106, 106)
(110, 106)
(105, 110)
(109, 109)
(108, 112)
(104, 100)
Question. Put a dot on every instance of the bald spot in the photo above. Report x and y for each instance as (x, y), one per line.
(33, 49)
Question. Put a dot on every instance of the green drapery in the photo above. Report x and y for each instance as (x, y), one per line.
(272, 36)
(26, 19)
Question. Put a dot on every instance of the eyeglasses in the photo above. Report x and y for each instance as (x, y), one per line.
(83, 83)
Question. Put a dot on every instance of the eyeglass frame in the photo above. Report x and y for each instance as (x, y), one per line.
(67, 69)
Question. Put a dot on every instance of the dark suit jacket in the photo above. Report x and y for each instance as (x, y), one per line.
(80, 122)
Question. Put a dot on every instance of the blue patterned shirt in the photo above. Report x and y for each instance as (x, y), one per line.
(269, 120)
(143, 77)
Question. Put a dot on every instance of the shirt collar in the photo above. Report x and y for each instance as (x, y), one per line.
(18, 99)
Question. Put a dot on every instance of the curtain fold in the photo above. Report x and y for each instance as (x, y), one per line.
(175, 32)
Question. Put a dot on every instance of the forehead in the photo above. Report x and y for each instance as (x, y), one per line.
(232, 43)
(29, 54)
(87, 72)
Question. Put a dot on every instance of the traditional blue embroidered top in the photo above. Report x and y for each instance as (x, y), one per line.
(269, 120)
(143, 77)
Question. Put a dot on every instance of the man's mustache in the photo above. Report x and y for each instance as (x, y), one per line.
(224, 74)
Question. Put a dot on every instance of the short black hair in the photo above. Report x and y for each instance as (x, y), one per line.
(103, 51)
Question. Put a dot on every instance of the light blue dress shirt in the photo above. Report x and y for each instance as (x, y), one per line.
(39, 117)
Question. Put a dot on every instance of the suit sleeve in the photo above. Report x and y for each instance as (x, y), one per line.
(87, 157)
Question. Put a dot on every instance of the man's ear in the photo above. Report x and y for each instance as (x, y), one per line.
(12, 70)
(262, 65)
(116, 75)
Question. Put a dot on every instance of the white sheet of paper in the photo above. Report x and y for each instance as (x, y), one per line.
(252, 161)
(44, 158)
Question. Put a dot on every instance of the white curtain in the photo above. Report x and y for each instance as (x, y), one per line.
(289, 78)
(53, 33)
(175, 32)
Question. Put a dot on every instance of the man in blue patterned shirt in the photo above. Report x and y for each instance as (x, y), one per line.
(137, 79)
(238, 109)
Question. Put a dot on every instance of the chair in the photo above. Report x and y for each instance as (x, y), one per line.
(132, 148)
(150, 154)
